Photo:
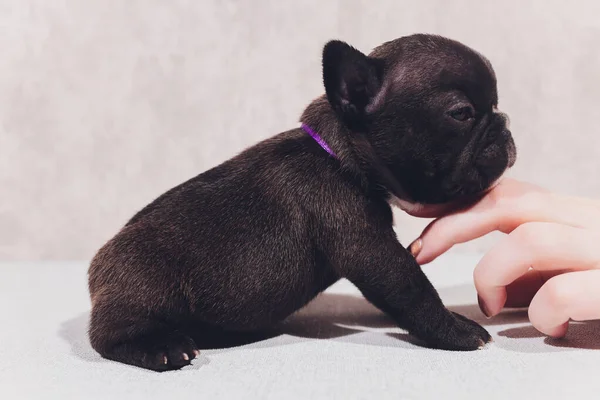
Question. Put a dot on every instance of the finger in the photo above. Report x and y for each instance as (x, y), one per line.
(503, 210)
(440, 210)
(540, 245)
(437, 210)
(428, 211)
(571, 296)
(440, 235)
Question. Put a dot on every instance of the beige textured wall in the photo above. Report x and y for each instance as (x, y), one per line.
(104, 104)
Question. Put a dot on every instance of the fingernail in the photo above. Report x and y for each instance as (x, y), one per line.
(483, 307)
(416, 247)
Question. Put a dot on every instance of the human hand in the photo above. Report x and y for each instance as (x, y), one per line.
(549, 261)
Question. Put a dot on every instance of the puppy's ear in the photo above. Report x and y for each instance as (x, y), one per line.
(352, 80)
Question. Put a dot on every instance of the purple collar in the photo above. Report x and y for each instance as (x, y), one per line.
(318, 139)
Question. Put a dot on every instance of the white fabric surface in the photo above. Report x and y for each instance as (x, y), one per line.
(337, 347)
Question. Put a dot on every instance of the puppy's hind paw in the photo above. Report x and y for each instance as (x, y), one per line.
(158, 352)
(178, 351)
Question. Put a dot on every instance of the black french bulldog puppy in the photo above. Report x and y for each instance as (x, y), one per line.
(244, 245)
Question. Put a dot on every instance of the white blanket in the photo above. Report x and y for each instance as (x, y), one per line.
(337, 347)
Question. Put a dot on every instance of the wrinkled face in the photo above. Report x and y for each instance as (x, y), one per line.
(435, 121)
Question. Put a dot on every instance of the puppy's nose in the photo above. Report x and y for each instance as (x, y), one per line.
(511, 148)
(502, 118)
(512, 154)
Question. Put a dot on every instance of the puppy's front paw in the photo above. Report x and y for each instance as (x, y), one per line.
(464, 335)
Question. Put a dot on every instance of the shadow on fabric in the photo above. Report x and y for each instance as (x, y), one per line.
(346, 318)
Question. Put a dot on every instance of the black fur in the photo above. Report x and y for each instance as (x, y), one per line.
(244, 245)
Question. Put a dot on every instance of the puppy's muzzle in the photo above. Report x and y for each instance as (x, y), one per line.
(511, 148)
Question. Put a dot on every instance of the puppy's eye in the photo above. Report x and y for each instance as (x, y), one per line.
(462, 114)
